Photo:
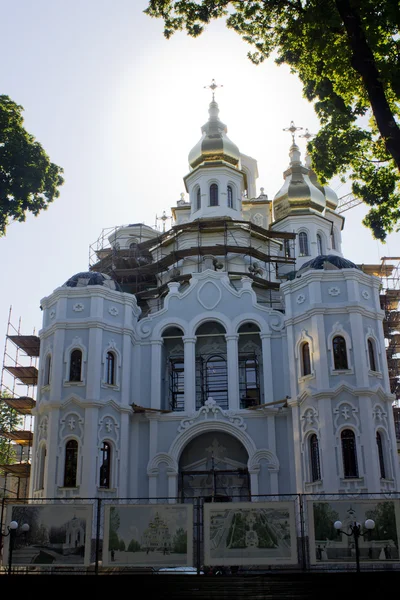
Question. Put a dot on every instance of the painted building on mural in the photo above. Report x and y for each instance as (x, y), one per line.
(236, 353)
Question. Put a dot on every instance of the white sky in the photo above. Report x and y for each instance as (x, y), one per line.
(119, 108)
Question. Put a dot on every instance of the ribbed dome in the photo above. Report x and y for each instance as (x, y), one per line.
(298, 194)
(214, 144)
(331, 197)
(329, 262)
(92, 278)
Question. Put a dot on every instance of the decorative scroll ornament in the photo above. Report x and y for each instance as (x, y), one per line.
(300, 299)
(113, 310)
(211, 411)
(78, 307)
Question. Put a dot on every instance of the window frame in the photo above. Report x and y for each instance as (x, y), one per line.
(372, 354)
(47, 371)
(71, 454)
(229, 196)
(349, 454)
(315, 460)
(303, 236)
(381, 455)
(303, 346)
(108, 468)
(198, 199)
(214, 194)
(344, 352)
(320, 246)
(111, 364)
(70, 379)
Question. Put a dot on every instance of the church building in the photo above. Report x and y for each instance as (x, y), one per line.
(235, 355)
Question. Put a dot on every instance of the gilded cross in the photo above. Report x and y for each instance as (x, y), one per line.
(293, 130)
(213, 87)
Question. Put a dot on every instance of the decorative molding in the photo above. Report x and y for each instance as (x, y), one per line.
(346, 416)
(162, 457)
(113, 310)
(310, 419)
(52, 314)
(71, 426)
(334, 291)
(43, 427)
(300, 299)
(206, 290)
(78, 307)
(263, 454)
(211, 411)
(108, 429)
(365, 294)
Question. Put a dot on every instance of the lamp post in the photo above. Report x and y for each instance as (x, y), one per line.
(12, 532)
(355, 531)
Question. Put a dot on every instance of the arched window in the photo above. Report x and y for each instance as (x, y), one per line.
(75, 366)
(198, 199)
(314, 458)
(110, 363)
(71, 463)
(303, 243)
(286, 248)
(42, 467)
(105, 467)
(349, 453)
(319, 244)
(305, 359)
(230, 196)
(339, 353)
(213, 194)
(217, 379)
(380, 454)
(371, 355)
(47, 370)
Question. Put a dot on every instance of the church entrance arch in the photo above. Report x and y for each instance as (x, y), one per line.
(213, 466)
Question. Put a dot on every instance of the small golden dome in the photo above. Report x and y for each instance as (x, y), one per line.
(298, 194)
(214, 144)
(331, 197)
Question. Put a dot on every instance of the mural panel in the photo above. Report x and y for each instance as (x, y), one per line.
(148, 535)
(328, 545)
(59, 535)
(249, 533)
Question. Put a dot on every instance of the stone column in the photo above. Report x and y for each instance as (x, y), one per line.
(233, 371)
(267, 368)
(189, 349)
(172, 486)
(156, 348)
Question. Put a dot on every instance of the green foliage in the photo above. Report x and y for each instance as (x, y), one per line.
(324, 518)
(346, 54)
(134, 546)
(28, 180)
(179, 542)
(9, 420)
(121, 546)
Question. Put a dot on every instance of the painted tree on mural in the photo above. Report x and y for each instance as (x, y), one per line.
(346, 54)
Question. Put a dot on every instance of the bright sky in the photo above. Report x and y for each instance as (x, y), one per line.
(119, 108)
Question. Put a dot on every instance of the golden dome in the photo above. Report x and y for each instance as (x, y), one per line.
(331, 197)
(214, 144)
(298, 194)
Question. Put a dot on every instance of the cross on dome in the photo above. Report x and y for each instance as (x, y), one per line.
(307, 135)
(213, 86)
(293, 130)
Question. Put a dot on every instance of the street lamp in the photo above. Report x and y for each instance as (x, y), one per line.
(12, 532)
(355, 531)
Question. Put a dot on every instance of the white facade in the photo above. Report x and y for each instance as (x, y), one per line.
(236, 359)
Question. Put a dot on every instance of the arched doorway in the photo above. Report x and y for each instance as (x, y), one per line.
(214, 466)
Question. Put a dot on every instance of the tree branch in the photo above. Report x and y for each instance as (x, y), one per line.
(363, 62)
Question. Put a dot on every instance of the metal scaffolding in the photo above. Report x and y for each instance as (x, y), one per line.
(18, 383)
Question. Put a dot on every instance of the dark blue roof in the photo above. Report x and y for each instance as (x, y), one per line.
(92, 278)
(336, 261)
